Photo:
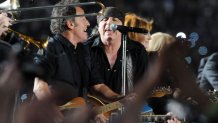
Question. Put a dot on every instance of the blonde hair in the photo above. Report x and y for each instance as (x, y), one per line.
(159, 41)
(132, 20)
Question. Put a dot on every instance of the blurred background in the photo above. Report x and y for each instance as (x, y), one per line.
(198, 19)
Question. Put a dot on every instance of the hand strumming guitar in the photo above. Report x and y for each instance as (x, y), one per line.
(173, 118)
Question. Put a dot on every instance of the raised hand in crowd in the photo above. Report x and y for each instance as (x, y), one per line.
(10, 83)
(186, 79)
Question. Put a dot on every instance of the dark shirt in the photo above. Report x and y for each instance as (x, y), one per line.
(67, 68)
(113, 77)
(208, 73)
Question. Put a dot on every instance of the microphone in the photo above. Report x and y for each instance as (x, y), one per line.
(125, 29)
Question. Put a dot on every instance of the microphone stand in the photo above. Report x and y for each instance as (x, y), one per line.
(124, 38)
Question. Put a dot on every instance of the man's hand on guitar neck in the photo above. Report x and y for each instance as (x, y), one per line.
(173, 118)
(128, 99)
(101, 119)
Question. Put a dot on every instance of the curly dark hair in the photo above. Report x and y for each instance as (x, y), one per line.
(59, 25)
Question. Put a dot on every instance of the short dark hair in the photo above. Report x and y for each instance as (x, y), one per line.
(59, 25)
(111, 12)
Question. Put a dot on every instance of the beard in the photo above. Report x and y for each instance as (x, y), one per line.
(109, 39)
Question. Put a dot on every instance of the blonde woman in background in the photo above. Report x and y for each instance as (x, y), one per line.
(132, 20)
(159, 41)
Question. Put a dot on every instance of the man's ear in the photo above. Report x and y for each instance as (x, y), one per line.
(70, 24)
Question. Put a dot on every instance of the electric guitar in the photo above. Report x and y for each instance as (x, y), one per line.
(161, 91)
(144, 118)
(98, 106)
(101, 107)
(154, 118)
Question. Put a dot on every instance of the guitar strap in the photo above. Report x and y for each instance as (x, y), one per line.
(129, 72)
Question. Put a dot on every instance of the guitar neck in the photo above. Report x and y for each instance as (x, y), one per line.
(145, 118)
(108, 107)
(154, 118)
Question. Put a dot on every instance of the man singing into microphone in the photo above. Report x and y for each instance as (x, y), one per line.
(106, 53)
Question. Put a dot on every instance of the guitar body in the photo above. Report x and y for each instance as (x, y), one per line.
(100, 107)
(161, 91)
(74, 103)
(94, 102)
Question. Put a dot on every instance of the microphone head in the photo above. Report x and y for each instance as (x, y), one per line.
(113, 27)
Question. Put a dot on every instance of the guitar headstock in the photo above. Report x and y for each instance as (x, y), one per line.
(213, 96)
(161, 91)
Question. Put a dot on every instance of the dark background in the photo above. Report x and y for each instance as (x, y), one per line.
(170, 16)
